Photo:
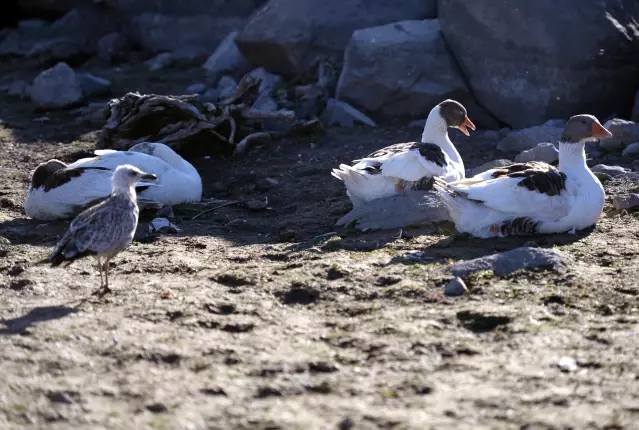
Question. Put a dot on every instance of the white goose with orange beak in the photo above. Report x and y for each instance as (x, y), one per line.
(532, 198)
(397, 168)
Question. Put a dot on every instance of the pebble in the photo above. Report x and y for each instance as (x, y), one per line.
(456, 287)
(160, 61)
(625, 201)
(567, 364)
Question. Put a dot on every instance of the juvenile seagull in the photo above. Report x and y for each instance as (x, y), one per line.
(105, 229)
(397, 168)
(535, 197)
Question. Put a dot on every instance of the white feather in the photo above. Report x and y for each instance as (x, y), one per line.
(178, 182)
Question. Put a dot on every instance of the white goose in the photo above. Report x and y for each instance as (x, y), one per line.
(397, 168)
(532, 198)
(60, 191)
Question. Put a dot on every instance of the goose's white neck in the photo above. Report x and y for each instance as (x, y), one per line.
(436, 131)
(572, 157)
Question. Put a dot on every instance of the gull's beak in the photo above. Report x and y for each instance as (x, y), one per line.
(597, 130)
(467, 123)
(149, 177)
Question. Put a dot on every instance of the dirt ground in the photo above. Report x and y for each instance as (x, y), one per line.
(261, 320)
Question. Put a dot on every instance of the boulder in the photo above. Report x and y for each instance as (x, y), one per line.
(226, 59)
(289, 36)
(526, 61)
(546, 152)
(528, 138)
(164, 26)
(399, 69)
(76, 34)
(55, 88)
(623, 133)
(626, 201)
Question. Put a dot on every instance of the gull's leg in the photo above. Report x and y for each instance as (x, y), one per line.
(106, 285)
(100, 269)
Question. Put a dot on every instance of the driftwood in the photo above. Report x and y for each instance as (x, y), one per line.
(193, 127)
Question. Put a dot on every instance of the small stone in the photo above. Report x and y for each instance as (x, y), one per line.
(344, 115)
(631, 150)
(162, 225)
(56, 88)
(160, 61)
(508, 262)
(256, 205)
(456, 287)
(226, 86)
(226, 58)
(197, 88)
(93, 86)
(609, 170)
(346, 424)
(567, 364)
(157, 408)
(603, 177)
(487, 166)
(287, 236)
(626, 201)
(545, 152)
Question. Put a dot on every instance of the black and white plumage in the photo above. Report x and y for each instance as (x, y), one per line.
(534, 197)
(107, 228)
(61, 191)
(402, 166)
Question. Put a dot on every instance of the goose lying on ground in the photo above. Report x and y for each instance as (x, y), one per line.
(60, 191)
(535, 197)
(399, 167)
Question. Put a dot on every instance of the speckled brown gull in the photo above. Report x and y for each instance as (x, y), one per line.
(105, 229)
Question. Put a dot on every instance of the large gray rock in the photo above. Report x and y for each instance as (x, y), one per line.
(75, 34)
(288, 36)
(608, 170)
(511, 261)
(631, 150)
(527, 61)
(56, 88)
(528, 138)
(546, 152)
(623, 133)
(164, 26)
(399, 69)
(226, 59)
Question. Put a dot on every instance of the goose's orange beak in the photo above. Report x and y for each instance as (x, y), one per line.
(597, 130)
(467, 123)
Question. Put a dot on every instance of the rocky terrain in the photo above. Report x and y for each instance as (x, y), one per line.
(267, 316)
